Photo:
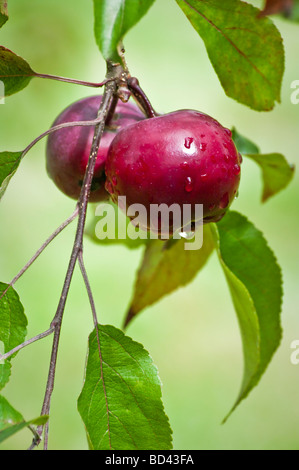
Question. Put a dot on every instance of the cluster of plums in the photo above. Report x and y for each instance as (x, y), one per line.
(184, 157)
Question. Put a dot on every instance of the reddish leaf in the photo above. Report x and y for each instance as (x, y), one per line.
(273, 7)
(3, 12)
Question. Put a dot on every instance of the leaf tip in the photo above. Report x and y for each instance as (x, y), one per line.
(129, 317)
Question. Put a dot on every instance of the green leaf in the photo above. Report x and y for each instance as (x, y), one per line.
(120, 402)
(113, 19)
(5, 371)
(294, 16)
(15, 72)
(277, 173)
(113, 224)
(8, 415)
(3, 12)
(165, 267)
(11, 421)
(243, 144)
(9, 162)
(13, 323)
(246, 51)
(255, 282)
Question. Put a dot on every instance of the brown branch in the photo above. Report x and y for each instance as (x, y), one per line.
(113, 74)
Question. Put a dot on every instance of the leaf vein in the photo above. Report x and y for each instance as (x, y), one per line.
(229, 40)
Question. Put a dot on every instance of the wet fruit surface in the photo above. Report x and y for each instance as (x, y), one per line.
(184, 157)
(68, 149)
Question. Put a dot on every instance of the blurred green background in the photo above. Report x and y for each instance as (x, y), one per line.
(192, 335)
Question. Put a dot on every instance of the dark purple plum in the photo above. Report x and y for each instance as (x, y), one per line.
(68, 149)
(185, 157)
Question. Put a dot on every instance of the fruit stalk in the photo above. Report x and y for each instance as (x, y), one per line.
(140, 97)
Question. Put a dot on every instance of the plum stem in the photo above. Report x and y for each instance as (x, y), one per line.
(140, 97)
(111, 110)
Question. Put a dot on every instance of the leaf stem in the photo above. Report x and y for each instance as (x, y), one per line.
(71, 80)
(93, 122)
(95, 321)
(88, 288)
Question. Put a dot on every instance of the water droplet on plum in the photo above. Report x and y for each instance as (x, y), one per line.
(224, 201)
(188, 142)
(236, 169)
(188, 184)
(228, 132)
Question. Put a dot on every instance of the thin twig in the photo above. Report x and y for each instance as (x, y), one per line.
(71, 80)
(95, 321)
(64, 125)
(36, 440)
(89, 291)
(50, 384)
(41, 249)
(26, 343)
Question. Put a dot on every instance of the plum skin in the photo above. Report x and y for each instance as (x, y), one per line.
(68, 149)
(184, 157)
